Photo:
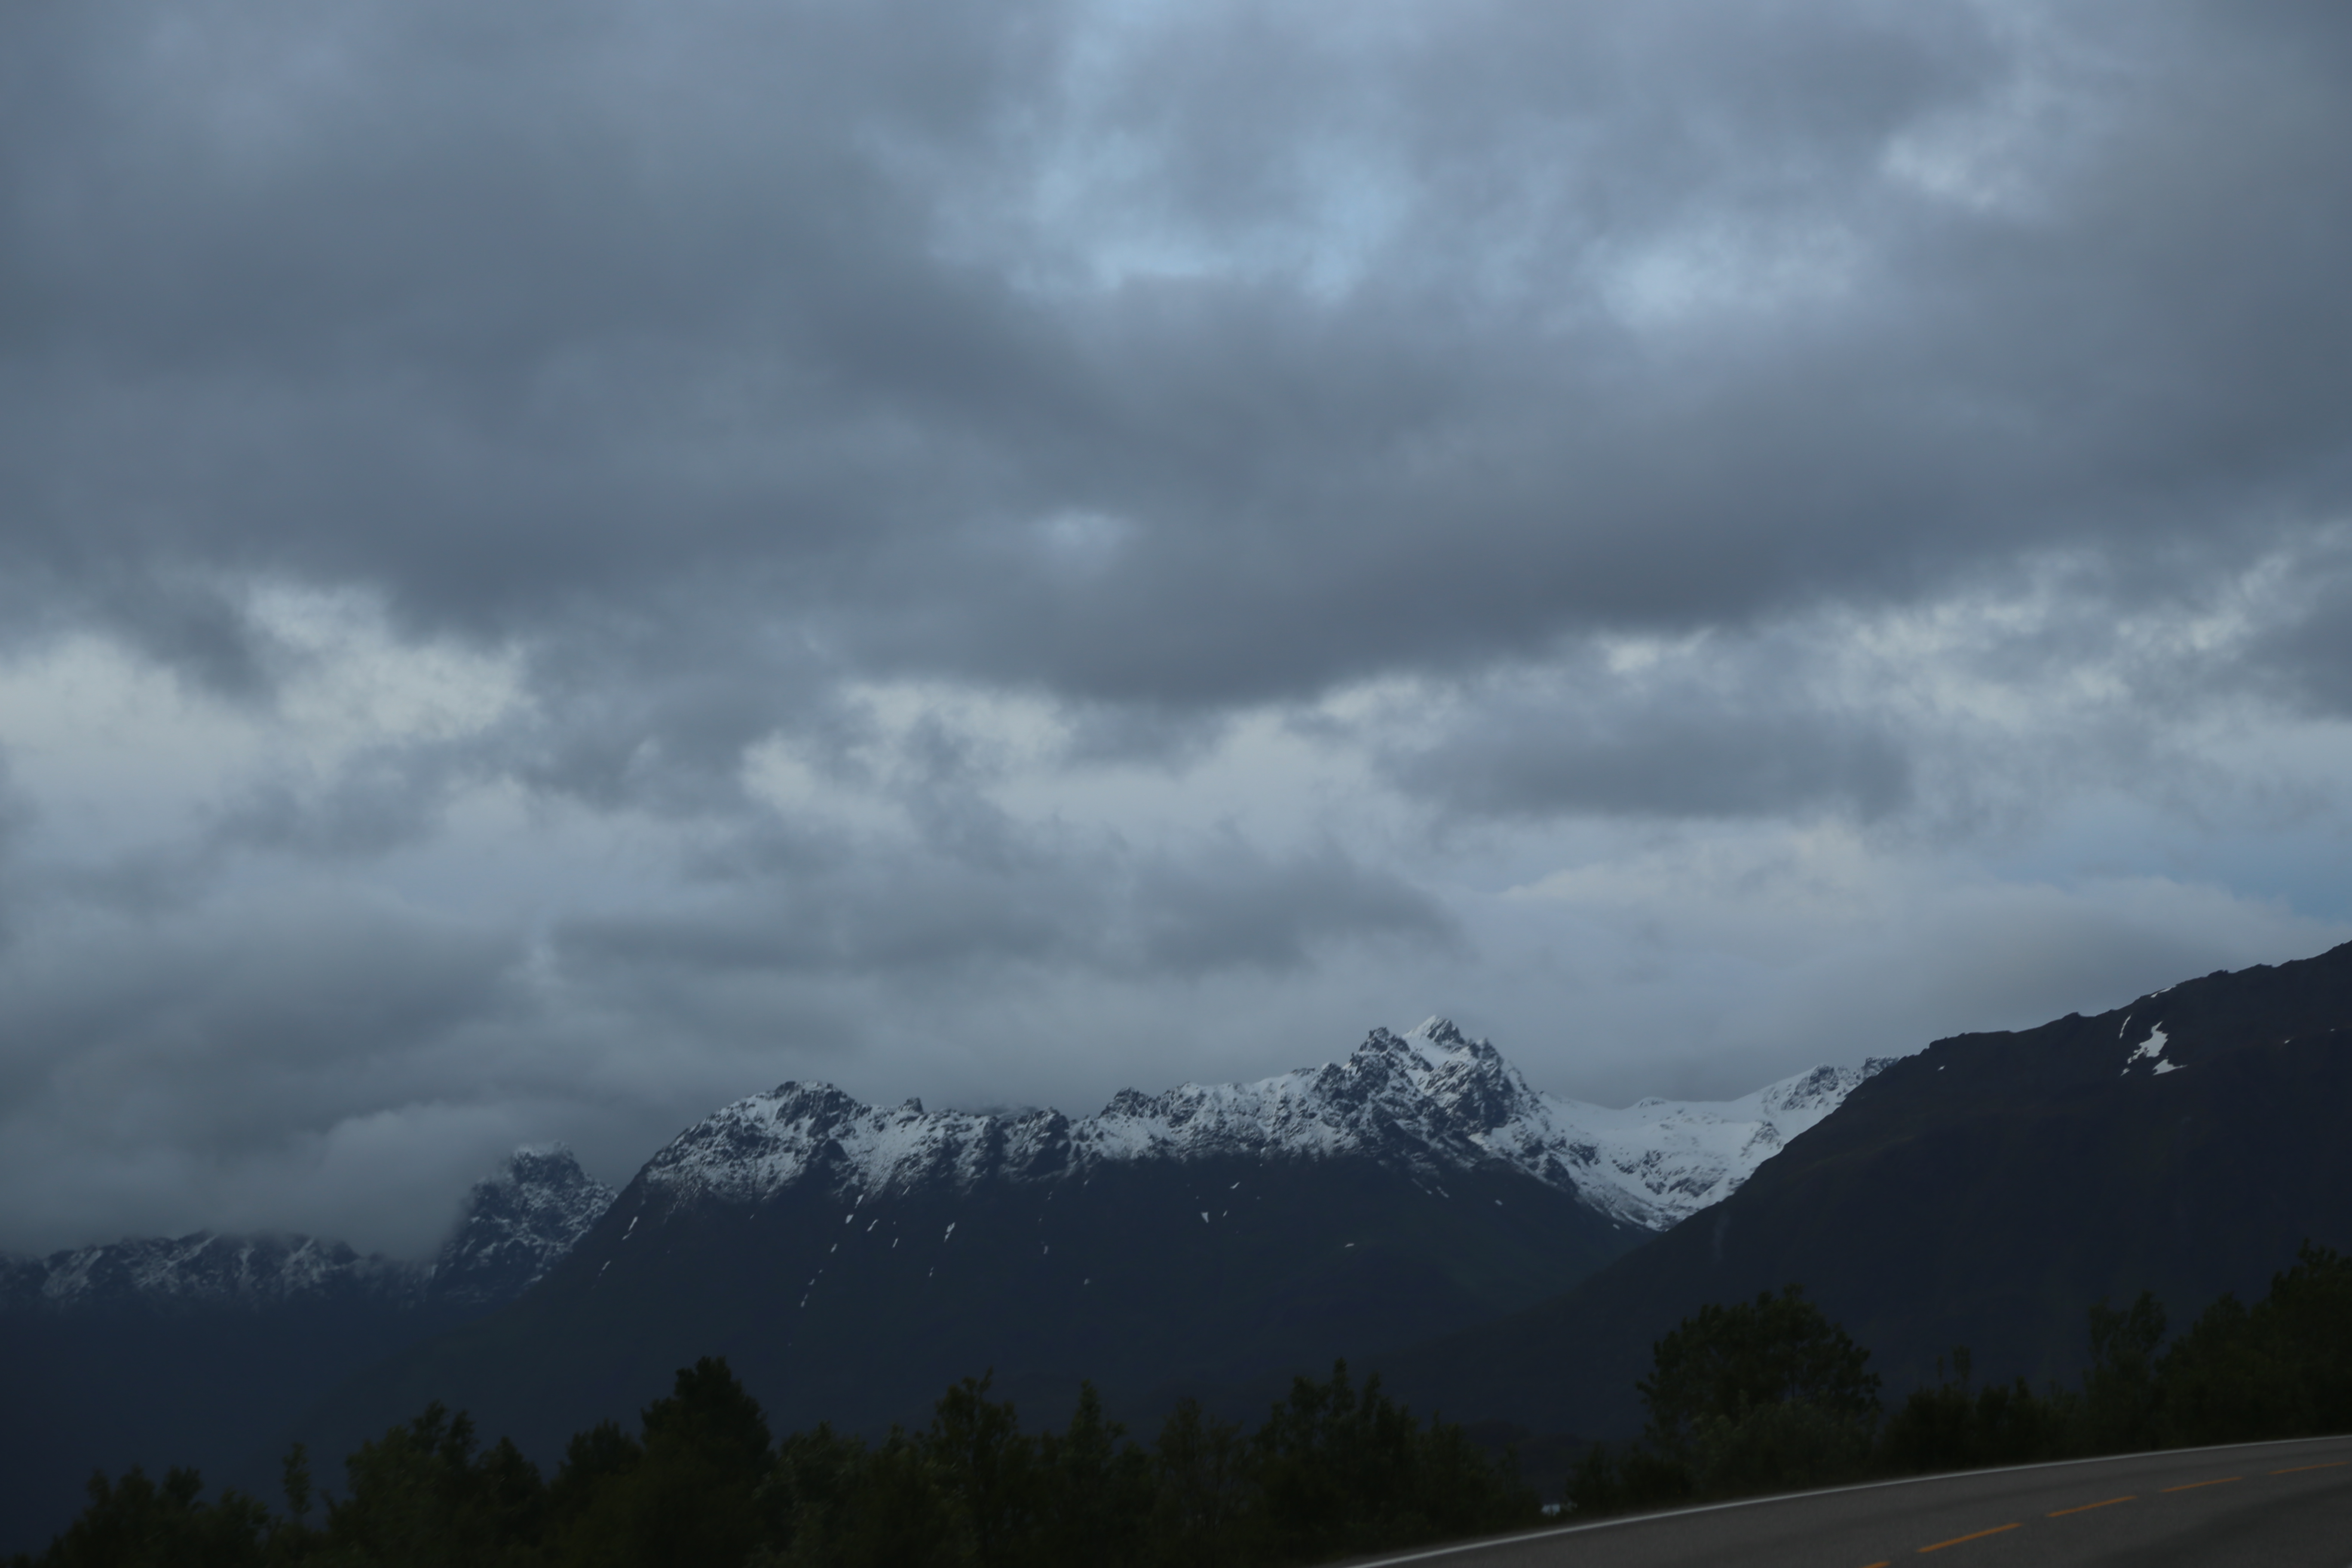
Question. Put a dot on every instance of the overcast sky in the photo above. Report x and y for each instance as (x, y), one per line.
(562, 563)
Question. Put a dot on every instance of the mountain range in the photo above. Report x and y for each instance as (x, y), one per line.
(1497, 1253)
(1204, 1210)
(852, 1261)
(1431, 1103)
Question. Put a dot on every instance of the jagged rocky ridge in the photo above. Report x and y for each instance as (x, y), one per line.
(1431, 1100)
(517, 1222)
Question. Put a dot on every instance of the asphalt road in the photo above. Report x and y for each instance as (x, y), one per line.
(2262, 1505)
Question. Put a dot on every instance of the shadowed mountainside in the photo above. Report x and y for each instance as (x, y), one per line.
(1983, 1193)
(202, 1350)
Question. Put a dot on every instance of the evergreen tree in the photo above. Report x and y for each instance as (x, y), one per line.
(859, 1508)
(137, 1523)
(1202, 1490)
(1955, 1426)
(688, 1492)
(1726, 1362)
(989, 1472)
(2282, 1369)
(1340, 1471)
(1760, 1395)
(421, 1493)
(1095, 1492)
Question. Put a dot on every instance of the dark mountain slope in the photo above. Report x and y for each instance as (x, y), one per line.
(853, 1260)
(205, 1349)
(860, 1309)
(1984, 1193)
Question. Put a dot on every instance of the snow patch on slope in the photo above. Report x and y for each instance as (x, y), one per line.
(2150, 1050)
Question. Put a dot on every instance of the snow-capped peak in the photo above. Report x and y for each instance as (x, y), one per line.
(519, 1220)
(1436, 1042)
(1432, 1099)
(202, 1269)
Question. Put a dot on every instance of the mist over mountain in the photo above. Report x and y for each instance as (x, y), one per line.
(517, 1221)
(204, 1349)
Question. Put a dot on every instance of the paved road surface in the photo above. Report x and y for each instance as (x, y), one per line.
(2260, 1505)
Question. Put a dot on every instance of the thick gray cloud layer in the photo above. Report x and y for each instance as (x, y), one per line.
(563, 561)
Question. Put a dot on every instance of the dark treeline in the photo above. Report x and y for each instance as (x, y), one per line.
(1770, 1396)
(1335, 1470)
(1760, 1397)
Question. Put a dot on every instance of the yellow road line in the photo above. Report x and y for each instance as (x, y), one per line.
(1980, 1535)
(2085, 1508)
(1878, 1565)
(2216, 1482)
(2298, 1469)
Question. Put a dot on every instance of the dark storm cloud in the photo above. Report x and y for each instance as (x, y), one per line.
(1016, 899)
(529, 320)
(2303, 648)
(702, 368)
(16, 821)
(1697, 753)
(153, 1053)
(260, 979)
(384, 797)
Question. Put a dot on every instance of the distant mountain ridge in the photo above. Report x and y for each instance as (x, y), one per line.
(1431, 1097)
(1175, 1239)
(851, 1261)
(202, 1269)
(204, 1350)
(517, 1222)
(1429, 1101)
